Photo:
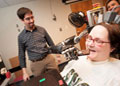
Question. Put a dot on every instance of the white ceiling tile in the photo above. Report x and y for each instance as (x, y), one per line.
(12, 2)
(5, 3)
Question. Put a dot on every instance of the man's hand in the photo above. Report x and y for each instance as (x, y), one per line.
(25, 75)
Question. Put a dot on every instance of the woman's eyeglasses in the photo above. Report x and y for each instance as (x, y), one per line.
(96, 41)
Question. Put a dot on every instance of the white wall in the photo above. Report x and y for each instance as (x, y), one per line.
(43, 11)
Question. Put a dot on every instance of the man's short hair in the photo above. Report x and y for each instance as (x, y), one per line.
(22, 11)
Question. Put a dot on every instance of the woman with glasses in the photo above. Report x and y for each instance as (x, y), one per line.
(98, 68)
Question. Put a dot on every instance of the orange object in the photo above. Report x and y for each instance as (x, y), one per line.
(60, 82)
(96, 5)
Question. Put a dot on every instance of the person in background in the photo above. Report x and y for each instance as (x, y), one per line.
(35, 40)
(110, 4)
(97, 68)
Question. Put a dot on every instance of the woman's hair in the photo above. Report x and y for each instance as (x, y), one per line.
(110, 1)
(22, 11)
(113, 36)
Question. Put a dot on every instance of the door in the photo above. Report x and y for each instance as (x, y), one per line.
(81, 6)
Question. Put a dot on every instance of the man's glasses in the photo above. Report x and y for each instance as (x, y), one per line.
(28, 18)
(96, 41)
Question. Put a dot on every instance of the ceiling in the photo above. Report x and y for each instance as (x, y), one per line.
(6, 3)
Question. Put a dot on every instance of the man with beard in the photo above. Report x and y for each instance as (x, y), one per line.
(34, 40)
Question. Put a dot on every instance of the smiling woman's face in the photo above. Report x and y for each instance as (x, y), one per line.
(112, 4)
(98, 51)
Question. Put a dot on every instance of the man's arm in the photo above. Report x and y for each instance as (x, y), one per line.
(22, 59)
(49, 39)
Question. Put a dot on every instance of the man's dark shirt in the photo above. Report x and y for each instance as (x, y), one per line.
(35, 43)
